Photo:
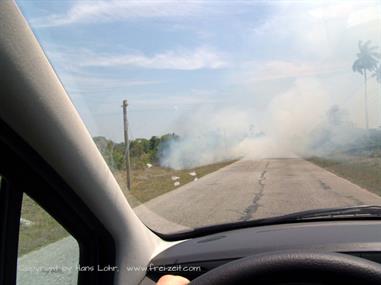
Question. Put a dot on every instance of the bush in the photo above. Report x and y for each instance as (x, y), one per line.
(142, 151)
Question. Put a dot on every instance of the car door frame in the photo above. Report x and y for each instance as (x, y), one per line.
(25, 172)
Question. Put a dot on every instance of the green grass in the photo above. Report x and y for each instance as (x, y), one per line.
(361, 170)
(43, 230)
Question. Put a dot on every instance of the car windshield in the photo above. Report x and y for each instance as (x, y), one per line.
(215, 112)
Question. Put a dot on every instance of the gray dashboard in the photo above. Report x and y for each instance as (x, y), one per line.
(360, 238)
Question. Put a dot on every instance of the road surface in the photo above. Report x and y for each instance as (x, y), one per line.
(244, 190)
(252, 189)
(53, 264)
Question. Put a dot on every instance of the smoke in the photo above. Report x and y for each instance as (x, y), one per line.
(207, 136)
(303, 121)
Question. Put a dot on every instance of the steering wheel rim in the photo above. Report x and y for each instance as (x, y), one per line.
(295, 267)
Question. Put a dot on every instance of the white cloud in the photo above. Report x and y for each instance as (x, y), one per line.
(200, 58)
(330, 11)
(321, 28)
(354, 13)
(364, 15)
(106, 11)
(178, 59)
(95, 84)
(282, 69)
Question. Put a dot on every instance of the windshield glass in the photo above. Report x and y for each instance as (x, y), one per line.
(224, 111)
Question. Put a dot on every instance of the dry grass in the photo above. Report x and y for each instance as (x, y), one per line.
(42, 230)
(361, 170)
(152, 182)
(147, 184)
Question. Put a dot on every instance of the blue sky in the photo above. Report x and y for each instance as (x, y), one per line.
(174, 59)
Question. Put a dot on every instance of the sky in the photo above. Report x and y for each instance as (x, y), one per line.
(219, 66)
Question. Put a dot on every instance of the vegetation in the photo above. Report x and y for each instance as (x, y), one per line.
(364, 171)
(142, 151)
(150, 183)
(359, 163)
(366, 62)
(149, 179)
(37, 227)
(377, 74)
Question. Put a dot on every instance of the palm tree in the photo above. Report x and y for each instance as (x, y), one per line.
(366, 61)
(377, 73)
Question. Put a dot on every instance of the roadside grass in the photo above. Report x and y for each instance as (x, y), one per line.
(146, 184)
(42, 230)
(364, 171)
(151, 182)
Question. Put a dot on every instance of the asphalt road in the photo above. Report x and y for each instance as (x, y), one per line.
(53, 264)
(244, 190)
(252, 189)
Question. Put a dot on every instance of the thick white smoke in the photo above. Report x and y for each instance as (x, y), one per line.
(303, 121)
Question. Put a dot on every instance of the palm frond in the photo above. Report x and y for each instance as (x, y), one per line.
(377, 73)
(367, 58)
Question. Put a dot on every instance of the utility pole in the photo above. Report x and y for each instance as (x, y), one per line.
(127, 144)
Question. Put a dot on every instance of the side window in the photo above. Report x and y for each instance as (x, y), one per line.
(47, 254)
(48, 234)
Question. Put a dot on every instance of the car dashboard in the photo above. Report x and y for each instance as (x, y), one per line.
(193, 257)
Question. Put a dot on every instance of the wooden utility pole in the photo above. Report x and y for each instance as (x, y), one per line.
(127, 144)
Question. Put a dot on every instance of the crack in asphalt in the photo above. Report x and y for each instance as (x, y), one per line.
(249, 211)
(325, 186)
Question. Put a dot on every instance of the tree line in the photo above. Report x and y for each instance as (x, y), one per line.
(142, 151)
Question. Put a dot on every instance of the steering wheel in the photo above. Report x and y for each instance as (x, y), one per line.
(294, 267)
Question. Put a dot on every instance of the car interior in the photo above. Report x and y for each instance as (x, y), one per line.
(48, 154)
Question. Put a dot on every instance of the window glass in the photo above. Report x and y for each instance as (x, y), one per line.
(214, 112)
(47, 253)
